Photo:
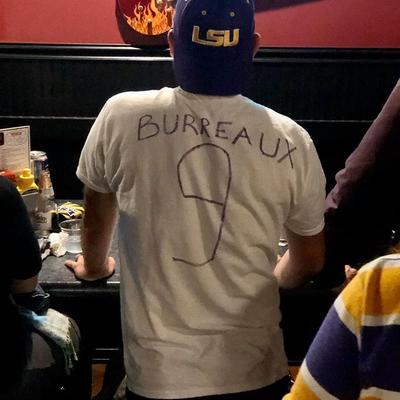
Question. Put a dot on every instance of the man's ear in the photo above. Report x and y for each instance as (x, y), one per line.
(256, 42)
(170, 38)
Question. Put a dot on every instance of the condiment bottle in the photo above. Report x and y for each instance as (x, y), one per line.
(44, 219)
(26, 182)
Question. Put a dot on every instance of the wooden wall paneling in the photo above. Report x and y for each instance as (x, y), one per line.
(59, 90)
(337, 87)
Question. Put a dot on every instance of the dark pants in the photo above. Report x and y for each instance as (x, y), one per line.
(272, 392)
(45, 378)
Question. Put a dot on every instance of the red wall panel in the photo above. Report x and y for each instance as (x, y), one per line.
(58, 21)
(333, 23)
(317, 23)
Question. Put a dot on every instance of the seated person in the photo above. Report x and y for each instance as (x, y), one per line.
(356, 352)
(33, 362)
(362, 210)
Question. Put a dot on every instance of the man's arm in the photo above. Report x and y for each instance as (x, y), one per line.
(304, 259)
(98, 228)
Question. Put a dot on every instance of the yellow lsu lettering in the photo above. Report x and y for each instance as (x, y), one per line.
(216, 38)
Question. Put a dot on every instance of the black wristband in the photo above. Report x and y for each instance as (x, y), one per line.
(37, 301)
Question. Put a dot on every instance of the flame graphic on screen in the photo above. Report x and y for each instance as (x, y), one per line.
(153, 19)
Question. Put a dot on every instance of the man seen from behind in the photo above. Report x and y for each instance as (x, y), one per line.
(203, 181)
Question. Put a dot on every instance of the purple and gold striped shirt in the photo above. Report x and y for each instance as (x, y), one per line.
(356, 353)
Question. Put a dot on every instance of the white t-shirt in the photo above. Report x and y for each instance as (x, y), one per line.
(205, 185)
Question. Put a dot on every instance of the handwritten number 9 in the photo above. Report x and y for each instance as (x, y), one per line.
(208, 149)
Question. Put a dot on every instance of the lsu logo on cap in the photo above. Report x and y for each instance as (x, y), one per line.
(216, 38)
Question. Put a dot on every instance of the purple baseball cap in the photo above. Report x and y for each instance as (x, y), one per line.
(213, 45)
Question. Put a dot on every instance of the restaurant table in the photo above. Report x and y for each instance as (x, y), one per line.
(96, 309)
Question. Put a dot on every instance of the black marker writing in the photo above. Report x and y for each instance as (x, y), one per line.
(207, 147)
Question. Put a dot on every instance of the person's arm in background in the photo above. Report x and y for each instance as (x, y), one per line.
(21, 257)
(359, 219)
(98, 228)
(304, 259)
(20, 250)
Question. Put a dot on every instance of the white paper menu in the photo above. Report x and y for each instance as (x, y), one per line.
(15, 147)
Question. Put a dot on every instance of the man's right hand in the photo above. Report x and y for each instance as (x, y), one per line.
(81, 274)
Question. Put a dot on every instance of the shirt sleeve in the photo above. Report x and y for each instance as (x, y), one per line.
(92, 162)
(306, 217)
